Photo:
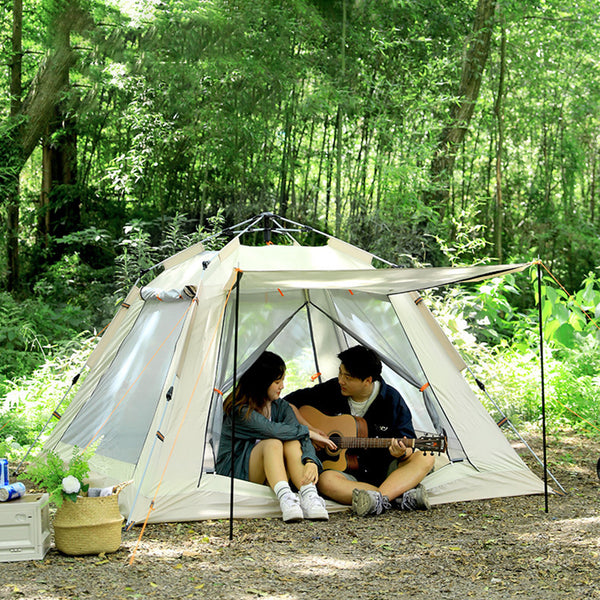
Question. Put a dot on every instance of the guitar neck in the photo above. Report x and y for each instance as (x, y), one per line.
(360, 442)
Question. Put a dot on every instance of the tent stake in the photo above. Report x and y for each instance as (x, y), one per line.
(541, 328)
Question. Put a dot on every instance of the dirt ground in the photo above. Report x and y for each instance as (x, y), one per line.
(491, 549)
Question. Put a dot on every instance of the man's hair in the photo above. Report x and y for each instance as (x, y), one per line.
(361, 362)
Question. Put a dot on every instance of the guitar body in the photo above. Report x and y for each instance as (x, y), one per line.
(335, 428)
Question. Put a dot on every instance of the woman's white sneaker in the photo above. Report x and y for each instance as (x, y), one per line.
(313, 506)
(290, 508)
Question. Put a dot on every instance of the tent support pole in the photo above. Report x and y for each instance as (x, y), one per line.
(543, 391)
(235, 353)
(312, 336)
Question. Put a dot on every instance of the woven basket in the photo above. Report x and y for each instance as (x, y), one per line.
(88, 526)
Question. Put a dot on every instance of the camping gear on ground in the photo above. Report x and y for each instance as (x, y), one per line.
(4, 480)
(25, 528)
(12, 491)
(106, 491)
(88, 526)
(152, 397)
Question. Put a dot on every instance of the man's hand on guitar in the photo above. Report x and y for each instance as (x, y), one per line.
(321, 440)
(399, 450)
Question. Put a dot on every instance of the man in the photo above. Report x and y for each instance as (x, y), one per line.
(385, 477)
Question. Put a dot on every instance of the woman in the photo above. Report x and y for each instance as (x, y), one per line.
(270, 445)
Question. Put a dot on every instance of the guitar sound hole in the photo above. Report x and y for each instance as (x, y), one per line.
(335, 437)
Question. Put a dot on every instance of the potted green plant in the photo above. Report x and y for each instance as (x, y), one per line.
(82, 524)
(62, 481)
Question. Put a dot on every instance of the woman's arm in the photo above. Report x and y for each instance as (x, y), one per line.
(318, 437)
(259, 427)
(286, 411)
(321, 440)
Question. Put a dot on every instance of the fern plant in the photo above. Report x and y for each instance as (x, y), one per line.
(58, 478)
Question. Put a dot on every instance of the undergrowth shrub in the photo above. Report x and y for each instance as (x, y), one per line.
(29, 331)
(502, 348)
(28, 402)
(76, 292)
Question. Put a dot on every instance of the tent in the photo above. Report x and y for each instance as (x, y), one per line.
(152, 397)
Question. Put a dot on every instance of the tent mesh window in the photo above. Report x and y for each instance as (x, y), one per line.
(129, 391)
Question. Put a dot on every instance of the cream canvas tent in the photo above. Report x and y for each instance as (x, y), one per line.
(152, 396)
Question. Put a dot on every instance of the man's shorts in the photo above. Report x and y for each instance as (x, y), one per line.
(392, 467)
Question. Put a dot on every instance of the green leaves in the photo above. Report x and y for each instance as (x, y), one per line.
(569, 319)
(49, 470)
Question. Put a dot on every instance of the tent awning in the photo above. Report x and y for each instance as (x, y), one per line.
(375, 281)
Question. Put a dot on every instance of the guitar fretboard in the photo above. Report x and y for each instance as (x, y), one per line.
(359, 442)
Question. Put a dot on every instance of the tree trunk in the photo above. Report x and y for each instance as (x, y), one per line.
(498, 208)
(330, 165)
(60, 212)
(475, 57)
(340, 125)
(38, 106)
(28, 120)
(283, 173)
(594, 153)
(304, 207)
(322, 153)
(11, 180)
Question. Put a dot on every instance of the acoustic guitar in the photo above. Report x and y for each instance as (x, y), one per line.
(349, 432)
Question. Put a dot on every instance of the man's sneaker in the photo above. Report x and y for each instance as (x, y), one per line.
(313, 506)
(369, 502)
(290, 508)
(415, 499)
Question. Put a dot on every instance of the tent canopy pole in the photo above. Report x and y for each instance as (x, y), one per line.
(543, 391)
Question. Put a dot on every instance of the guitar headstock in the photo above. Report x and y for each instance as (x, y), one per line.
(435, 444)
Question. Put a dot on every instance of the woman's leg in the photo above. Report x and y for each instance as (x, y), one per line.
(267, 463)
(313, 506)
(274, 461)
(292, 452)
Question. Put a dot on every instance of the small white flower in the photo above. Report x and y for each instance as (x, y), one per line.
(71, 485)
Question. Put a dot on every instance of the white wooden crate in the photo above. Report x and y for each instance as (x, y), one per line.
(25, 528)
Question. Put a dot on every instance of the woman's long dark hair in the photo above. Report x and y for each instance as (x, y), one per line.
(251, 391)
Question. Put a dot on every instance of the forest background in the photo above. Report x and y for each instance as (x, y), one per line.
(428, 132)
